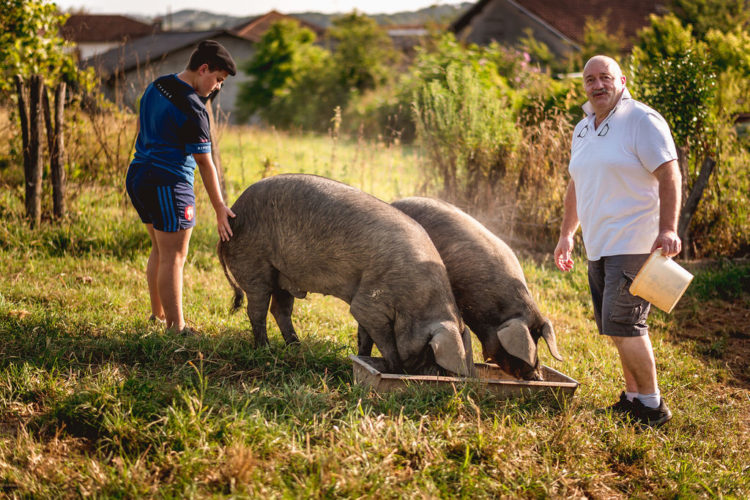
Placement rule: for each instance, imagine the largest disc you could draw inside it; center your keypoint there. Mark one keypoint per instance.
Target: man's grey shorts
(618, 313)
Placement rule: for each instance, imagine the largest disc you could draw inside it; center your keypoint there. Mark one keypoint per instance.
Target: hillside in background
(189, 19)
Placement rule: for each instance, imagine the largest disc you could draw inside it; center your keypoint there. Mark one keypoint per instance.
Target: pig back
(324, 236)
(485, 274)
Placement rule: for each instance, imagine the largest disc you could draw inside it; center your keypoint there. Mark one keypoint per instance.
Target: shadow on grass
(121, 380)
(715, 313)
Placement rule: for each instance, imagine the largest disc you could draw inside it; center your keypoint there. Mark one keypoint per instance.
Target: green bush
(296, 84)
(467, 130)
(673, 74)
(699, 87)
(291, 82)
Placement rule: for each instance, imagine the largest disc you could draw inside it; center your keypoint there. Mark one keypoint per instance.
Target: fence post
(31, 128)
(57, 154)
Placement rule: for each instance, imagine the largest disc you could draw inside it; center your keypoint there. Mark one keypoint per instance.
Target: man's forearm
(570, 213)
(670, 195)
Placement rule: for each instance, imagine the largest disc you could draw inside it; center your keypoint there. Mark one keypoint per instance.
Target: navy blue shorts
(618, 313)
(161, 198)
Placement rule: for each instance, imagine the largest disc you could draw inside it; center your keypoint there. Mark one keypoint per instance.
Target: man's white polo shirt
(617, 195)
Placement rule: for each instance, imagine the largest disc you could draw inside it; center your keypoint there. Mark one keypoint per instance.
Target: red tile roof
(256, 27)
(82, 28)
(569, 16)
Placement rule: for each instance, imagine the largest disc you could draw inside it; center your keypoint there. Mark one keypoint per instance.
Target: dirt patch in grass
(715, 314)
(722, 332)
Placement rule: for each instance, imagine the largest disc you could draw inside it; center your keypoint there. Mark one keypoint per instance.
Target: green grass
(96, 401)
(385, 170)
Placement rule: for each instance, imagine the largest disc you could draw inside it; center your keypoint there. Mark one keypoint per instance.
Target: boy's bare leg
(173, 249)
(152, 272)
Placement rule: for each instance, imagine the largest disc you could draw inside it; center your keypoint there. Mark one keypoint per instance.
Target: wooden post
(23, 115)
(56, 146)
(33, 152)
(57, 154)
(691, 205)
(48, 123)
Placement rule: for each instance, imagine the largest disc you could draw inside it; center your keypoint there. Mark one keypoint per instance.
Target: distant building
(406, 36)
(128, 68)
(559, 24)
(255, 27)
(93, 34)
(125, 71)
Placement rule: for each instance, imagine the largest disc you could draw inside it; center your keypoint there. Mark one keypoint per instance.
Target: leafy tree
(673, 73)
(295, 83)
(705, 15)
(30, 43)
(730, 50)
(286, 62)
(597, 39)
(31, 55)
(363, 53)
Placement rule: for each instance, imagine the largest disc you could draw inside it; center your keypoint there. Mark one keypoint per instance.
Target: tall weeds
(539, 179)
(481, 156)
(468, 133)
(101, 143)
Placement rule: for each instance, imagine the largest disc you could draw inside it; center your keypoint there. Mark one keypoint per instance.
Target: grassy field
(96, 401)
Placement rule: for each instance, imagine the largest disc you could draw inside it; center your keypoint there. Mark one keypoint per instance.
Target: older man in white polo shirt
(625, 193)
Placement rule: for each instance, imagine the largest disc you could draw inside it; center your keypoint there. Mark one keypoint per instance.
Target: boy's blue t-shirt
(173, 125)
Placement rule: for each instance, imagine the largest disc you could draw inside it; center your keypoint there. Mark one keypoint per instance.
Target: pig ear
(449, 351)
(515, 338)
(549, 336)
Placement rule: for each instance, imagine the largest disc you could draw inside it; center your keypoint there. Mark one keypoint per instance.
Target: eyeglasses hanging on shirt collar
(602, 130)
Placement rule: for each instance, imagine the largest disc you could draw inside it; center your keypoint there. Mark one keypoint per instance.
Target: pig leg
(282, 303)
(257, 311)
(380, 329)
(364, 342)
(256, 278)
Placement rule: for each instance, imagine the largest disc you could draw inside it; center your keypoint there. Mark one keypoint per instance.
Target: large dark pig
(297, 233)
(489, 286)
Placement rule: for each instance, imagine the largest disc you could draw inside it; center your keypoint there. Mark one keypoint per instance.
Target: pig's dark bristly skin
(297, 233)
(489, 286)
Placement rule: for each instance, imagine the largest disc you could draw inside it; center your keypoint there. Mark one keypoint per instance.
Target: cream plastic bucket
(661, 281)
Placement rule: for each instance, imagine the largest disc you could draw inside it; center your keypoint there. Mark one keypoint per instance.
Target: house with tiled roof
(93, 34)
(559, 24)
(254, 28)
(126, 70)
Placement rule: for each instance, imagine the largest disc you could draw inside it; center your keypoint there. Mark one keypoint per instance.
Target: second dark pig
(489, 286)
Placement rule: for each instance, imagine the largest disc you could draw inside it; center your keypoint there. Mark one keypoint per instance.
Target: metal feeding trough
(370, 372)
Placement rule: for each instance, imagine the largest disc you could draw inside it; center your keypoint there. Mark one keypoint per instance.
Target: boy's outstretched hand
(223, 214)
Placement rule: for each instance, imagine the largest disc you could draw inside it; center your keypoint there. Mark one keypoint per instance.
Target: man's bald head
(607, 61)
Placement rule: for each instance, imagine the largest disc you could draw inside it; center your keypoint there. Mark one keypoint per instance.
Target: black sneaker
(653, 417)
(624, 405)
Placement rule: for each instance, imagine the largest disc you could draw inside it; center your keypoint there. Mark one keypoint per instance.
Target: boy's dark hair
(215, 55)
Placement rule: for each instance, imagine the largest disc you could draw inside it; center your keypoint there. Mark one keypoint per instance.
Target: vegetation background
(96, 401)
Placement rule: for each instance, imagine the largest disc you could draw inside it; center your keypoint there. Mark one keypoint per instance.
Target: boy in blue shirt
(173, 138)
